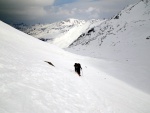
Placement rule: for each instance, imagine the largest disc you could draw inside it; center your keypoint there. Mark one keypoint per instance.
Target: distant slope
(61, 33)
(69, 37)
(125, 37)
(30, 85)
(48, 32)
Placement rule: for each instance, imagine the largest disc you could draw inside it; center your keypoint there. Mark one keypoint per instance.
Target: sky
(48, 11)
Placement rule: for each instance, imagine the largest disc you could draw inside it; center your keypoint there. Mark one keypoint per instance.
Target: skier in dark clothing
(77, 67)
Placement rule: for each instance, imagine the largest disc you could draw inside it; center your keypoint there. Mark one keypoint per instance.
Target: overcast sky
(47, 11)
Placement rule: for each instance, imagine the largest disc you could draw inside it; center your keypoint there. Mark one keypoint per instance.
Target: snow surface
(30, 85)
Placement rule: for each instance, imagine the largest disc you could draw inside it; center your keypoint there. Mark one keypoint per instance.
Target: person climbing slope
(77, 67)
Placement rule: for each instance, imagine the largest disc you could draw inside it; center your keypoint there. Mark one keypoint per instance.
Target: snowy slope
(30, 85)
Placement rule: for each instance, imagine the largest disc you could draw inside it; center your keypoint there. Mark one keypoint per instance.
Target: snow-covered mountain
(125, 37)
(30, 85)
(47, 32)
(61, 33)
(21, 26)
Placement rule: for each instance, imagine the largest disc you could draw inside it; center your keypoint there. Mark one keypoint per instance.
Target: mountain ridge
(113, 37)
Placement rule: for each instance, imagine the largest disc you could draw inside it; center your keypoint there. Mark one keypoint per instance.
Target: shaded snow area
(30, 85)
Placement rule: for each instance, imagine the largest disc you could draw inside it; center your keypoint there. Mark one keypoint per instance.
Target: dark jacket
(77, 67)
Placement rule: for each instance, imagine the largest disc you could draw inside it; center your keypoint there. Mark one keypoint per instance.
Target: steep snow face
(125, 37)
(30, 85)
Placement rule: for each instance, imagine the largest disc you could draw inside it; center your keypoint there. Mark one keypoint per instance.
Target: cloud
(90, 9)
(82, 10)
(55, 10)
(60, 2)
(23, 9)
